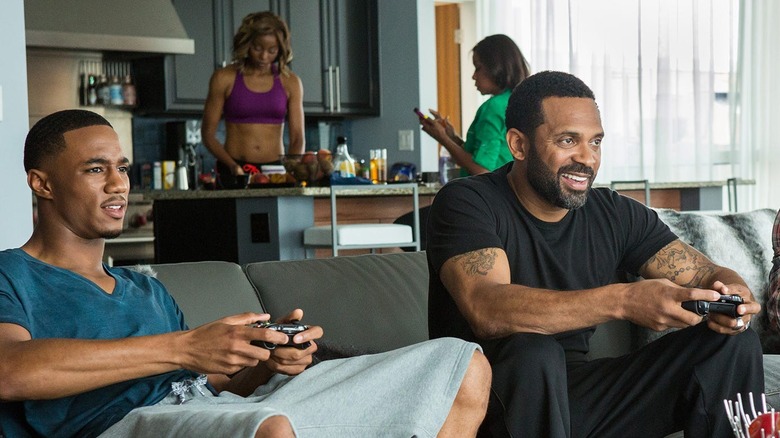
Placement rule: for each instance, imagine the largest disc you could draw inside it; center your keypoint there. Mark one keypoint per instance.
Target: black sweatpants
(676, 383)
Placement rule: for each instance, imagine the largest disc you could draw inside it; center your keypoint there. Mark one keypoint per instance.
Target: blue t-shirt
(52, 302)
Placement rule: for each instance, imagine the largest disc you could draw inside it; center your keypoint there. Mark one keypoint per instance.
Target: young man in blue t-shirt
(86, 349)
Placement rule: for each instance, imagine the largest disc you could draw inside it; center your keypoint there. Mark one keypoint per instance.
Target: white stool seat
(370, 235)
(359, 234)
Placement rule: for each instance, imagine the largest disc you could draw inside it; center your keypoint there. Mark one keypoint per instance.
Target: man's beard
(548, 185)
(111, 234)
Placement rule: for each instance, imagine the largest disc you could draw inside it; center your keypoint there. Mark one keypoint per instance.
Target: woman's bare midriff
(254, 142)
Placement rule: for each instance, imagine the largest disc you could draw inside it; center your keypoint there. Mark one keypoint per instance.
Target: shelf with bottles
(107, 84)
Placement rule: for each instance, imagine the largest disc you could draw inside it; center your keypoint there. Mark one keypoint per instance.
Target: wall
(407, 44)
(15, 197)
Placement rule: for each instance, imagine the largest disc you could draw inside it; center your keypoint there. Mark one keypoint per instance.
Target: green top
(486, 137)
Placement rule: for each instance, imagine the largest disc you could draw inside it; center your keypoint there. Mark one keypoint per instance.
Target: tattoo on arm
(478, 262)
(676, 261)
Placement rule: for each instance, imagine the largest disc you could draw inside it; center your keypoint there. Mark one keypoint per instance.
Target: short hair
(261, 24)
(46, 138)
(503, 60)
(524, 111)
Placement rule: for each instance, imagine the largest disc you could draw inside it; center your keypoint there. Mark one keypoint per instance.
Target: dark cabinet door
(354, 52)
(309, 33)
(335, 54)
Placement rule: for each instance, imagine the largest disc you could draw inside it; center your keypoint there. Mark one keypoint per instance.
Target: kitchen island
(258, 224)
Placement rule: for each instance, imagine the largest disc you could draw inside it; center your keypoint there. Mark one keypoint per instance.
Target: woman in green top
(498, 67)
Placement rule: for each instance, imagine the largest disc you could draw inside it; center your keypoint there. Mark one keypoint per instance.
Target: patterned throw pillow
(773, 300)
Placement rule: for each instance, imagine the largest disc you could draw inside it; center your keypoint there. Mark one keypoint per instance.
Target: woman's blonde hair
(261, 24)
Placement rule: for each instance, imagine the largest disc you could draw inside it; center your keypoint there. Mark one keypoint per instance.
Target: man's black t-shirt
(586, 249)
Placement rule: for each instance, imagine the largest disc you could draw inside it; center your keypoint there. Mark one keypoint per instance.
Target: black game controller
(726, 305)
(290, 330)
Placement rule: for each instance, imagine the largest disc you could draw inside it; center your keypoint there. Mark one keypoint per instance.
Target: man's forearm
(54, 368)
(511, 308)
(724, 275)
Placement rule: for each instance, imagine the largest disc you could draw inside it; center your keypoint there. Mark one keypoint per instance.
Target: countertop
(636, 185)
(162, 195)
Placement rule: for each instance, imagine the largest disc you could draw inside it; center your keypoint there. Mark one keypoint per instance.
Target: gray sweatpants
(401, 393)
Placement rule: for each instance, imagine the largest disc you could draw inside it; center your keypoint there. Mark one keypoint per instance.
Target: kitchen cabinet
(178, 84)
(335, 49)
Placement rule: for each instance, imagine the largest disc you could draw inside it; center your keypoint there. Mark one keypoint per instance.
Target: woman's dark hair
(524, 111)
(503, 60)
(46, 138)
(261, 24)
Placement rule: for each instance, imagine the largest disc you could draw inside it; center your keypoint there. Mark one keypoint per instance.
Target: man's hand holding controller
(725, 305)
(290, 329)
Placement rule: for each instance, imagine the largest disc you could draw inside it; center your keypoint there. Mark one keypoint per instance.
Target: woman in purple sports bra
(254, 94)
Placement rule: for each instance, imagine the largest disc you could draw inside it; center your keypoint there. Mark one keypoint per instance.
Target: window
(662, 73)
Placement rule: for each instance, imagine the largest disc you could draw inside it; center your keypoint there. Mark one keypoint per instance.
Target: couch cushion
(207, 291)
(374, 302)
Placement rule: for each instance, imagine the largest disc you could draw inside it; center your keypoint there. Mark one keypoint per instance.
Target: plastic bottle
(373, 165)
(103, 92)
(383, 165)
(445, 164)
(343, 164)
(182, 180)
(92, 96)
(83, 89)
(157, 176)
(128, 91)
(364, 169)
(115, 91)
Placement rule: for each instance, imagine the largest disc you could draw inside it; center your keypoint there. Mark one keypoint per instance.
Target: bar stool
(614, 184)
(365, 235)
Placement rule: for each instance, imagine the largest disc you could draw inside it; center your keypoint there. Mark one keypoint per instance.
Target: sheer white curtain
(661, 72)
(757, 105)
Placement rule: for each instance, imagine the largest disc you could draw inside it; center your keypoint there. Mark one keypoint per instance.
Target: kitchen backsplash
(150, 142)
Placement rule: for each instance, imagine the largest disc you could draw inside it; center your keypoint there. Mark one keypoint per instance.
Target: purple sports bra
(246, 106)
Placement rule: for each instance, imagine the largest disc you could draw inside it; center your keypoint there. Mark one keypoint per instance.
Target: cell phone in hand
(420, 114)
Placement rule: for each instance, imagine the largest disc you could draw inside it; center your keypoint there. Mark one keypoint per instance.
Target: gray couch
(379, 302)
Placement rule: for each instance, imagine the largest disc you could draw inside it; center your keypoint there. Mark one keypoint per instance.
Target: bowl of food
(311, 169)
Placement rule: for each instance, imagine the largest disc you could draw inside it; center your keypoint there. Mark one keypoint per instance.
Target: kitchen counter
(677, 185)
(250, 225)
(686, 195)
(273, 192)
(257, 224)
(424, 190)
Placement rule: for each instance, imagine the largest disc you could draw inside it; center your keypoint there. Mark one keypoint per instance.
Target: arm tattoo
(676, 260)
(478, 262)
